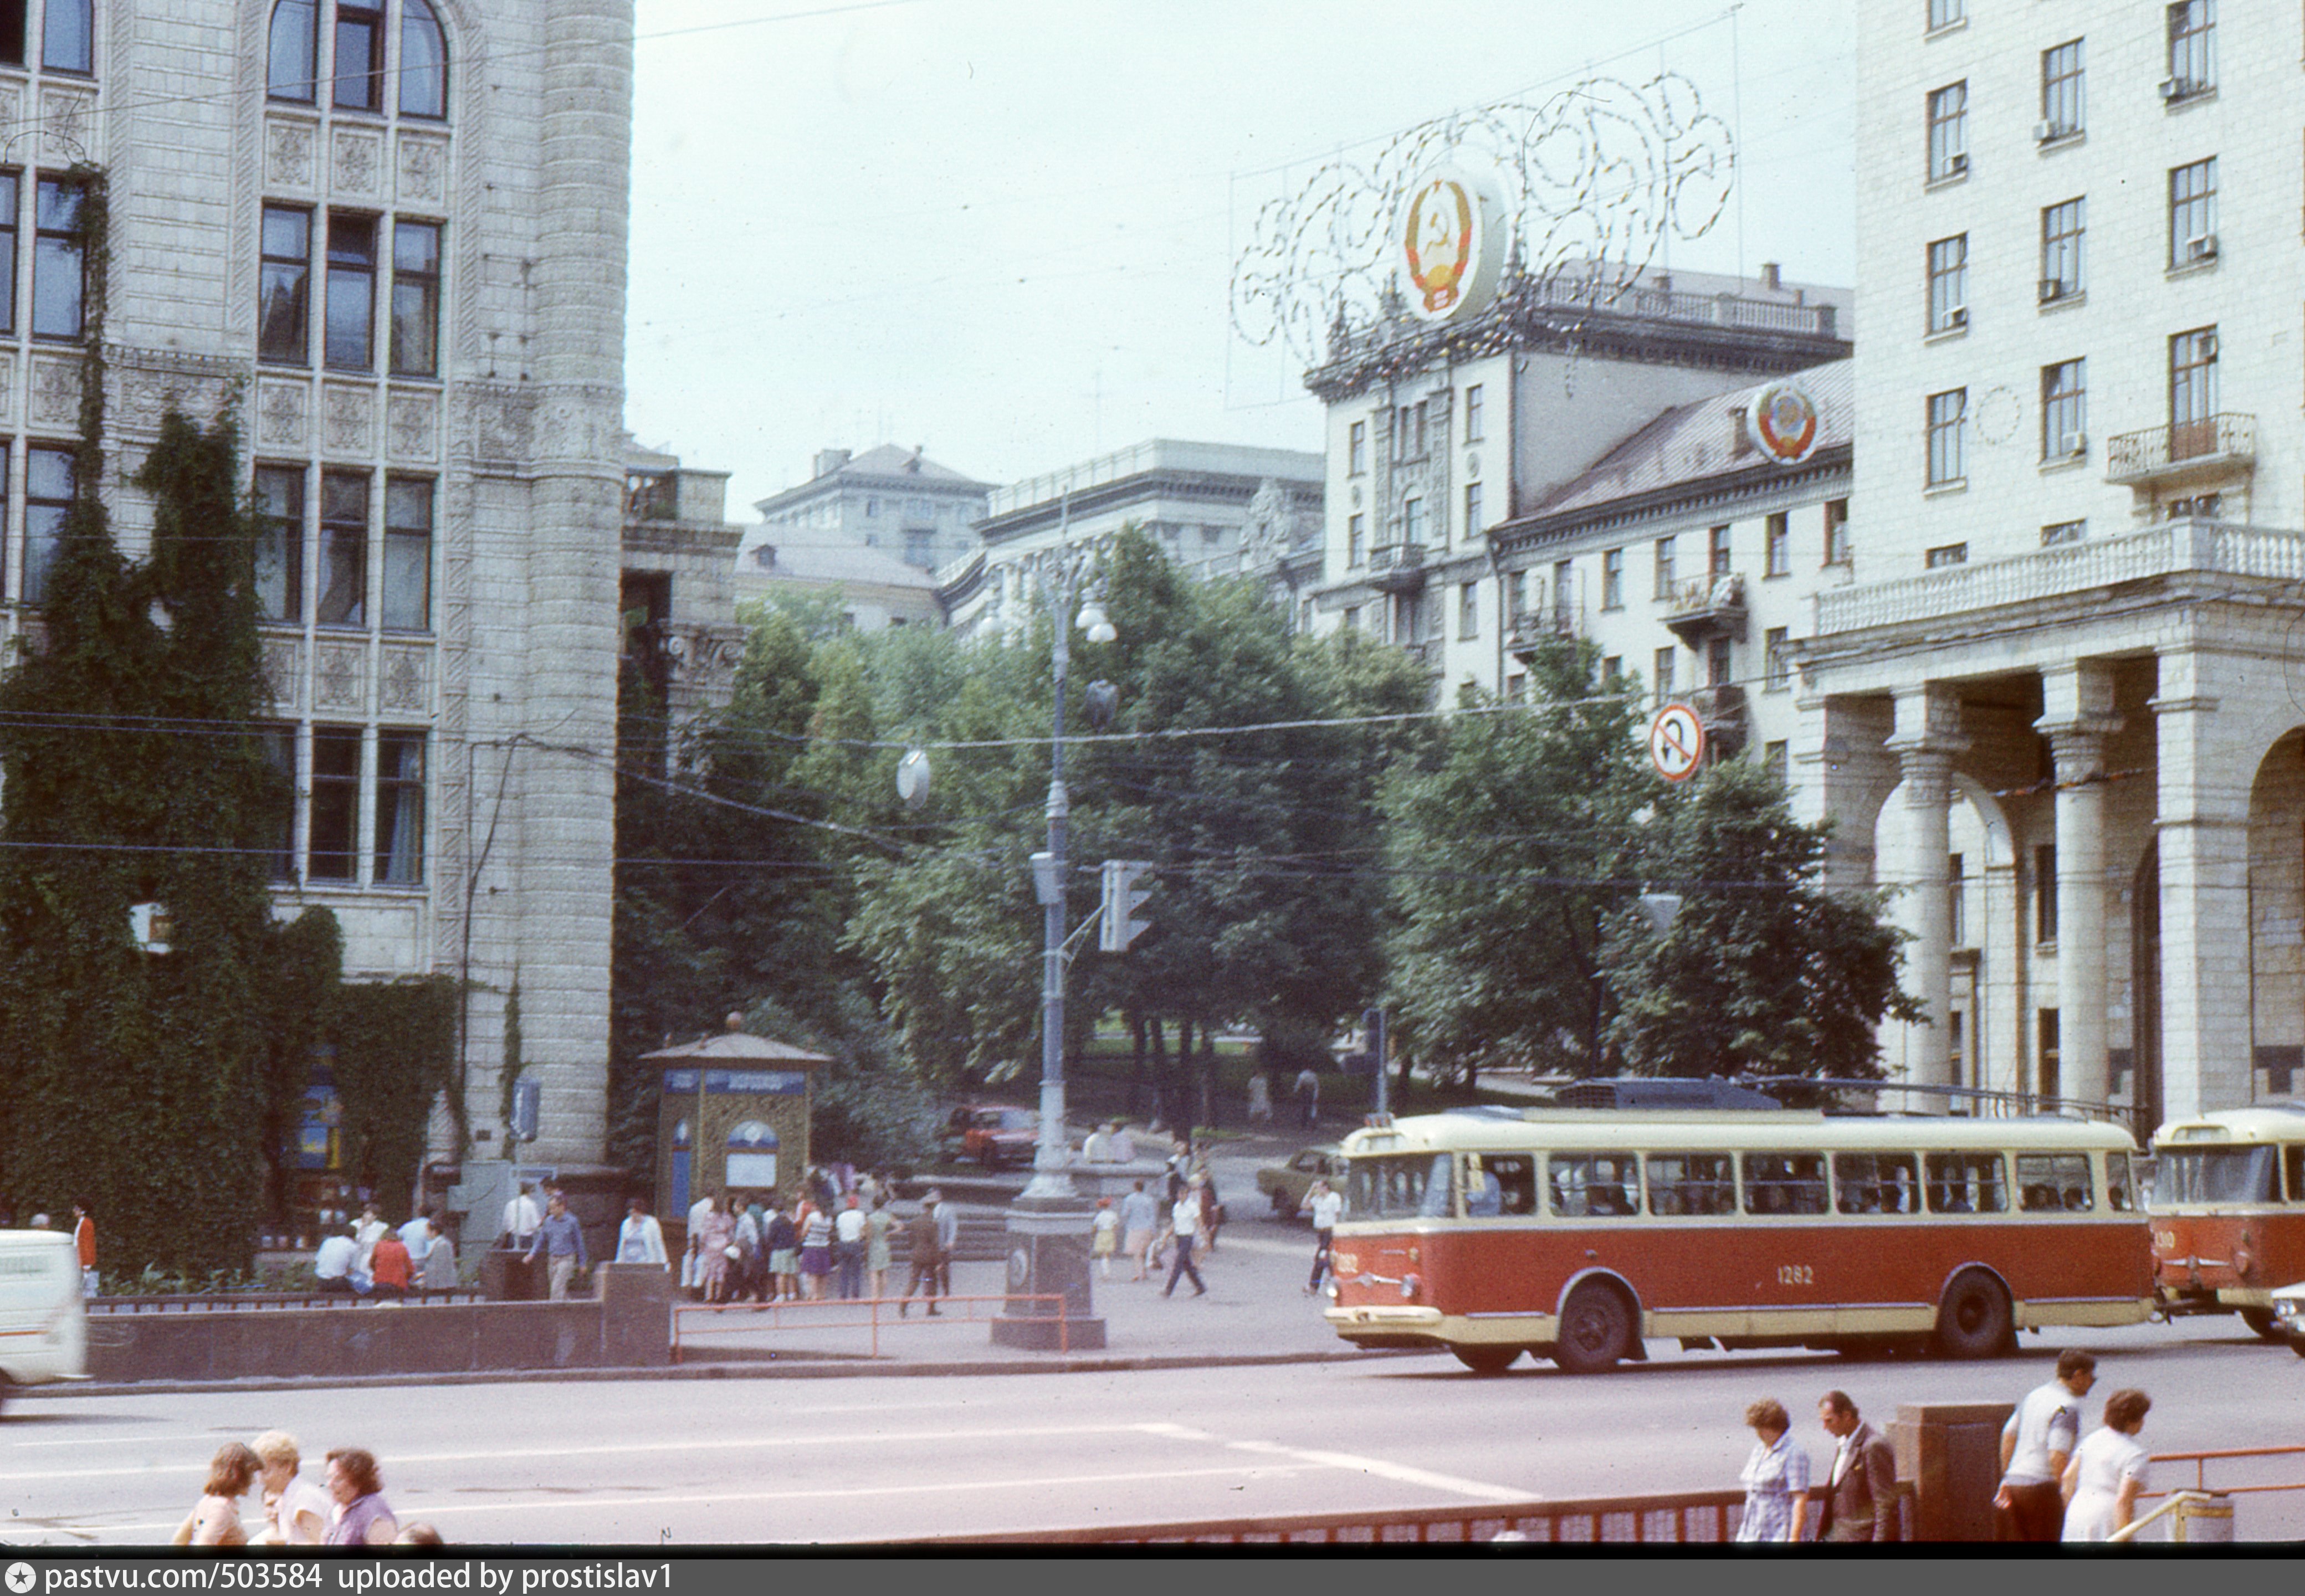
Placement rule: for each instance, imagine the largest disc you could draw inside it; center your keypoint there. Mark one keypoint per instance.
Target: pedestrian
(1326, 1206)
(437, 1269)
(1775, 1477)
(363, 1516)
(947, 1218)
(416, 1235)
(715, 1243)
(1105, 1237)
(1124, 1144)
(748, 1267)
(2108, 1472)
(640, 1239)
(390, 1268)
(927, 1261)
(215, 1518)
(781, 1237)
(1308, 1095)
(84, 1238)
(523, 1217)
(332, 1264)
(371, 1230)
(562, 1242)
(815, 1252)
(1184, 1220)
(877, 1225)
(295, 1508)
(1860, 1503)
(1139, 1221)
(1212, 1213)
(1098, 1148)
(2036, 1444)
(848, 1229)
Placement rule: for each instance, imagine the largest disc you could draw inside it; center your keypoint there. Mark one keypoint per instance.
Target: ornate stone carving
(424, 170)
(340, 676)
(284, 679)
(12, 104)
(64, 116)
(7, 389)
(281, 409)
(348, 421)
(405, 683)
(287, 154)
(412, 426)
(55, 390)
(358, 155)
(495, 422)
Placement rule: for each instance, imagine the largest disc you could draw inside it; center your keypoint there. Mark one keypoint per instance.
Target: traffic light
(1123, 898)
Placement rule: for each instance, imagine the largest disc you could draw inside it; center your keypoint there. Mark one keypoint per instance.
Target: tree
(1762, 970)
(1507, 852)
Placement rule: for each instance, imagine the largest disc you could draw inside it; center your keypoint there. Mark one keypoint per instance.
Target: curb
(814, 1366)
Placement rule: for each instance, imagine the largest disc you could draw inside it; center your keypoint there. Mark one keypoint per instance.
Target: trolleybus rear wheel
(1974, 1320)
(1596, 1329)
(1487, 1360)
(2261, 1321)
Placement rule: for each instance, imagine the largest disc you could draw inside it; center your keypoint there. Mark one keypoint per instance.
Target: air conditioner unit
(2201, 248)
(2052, 288)
(2072, 444)
(2175, 89)
(1957, 163)
(1957, 316)
(2206, 348)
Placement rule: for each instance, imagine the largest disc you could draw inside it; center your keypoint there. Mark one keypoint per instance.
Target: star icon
(21, 1578)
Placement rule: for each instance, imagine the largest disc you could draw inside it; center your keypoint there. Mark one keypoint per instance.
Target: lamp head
(1093, 622)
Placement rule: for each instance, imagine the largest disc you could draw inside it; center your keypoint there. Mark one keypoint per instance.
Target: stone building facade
(2071, 662)
(396, 229)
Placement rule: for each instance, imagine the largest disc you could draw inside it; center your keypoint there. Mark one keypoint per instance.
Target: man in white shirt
(523, 1218)
(1185, 1218)
(1098, 1148)
(332, 1265)
(417, 1234)
(1326, 1205)
(2036, 1444)
(848, 1248)
(370, 1230)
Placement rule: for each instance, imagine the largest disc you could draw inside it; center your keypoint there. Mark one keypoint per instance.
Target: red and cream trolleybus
(1573, 1234)
(2228, 1208)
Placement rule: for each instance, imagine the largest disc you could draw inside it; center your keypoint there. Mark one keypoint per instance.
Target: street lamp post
(1048, 1225)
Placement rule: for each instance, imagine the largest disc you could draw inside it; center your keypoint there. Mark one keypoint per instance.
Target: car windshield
(1411, 1187)
(2212, 1175)
(1016, 1119)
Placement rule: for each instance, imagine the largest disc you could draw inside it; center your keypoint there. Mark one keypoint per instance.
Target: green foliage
(394, 1052)
(1762, 970)
(1509, 849)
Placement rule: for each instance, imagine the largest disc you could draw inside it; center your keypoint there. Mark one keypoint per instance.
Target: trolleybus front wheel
(1974, 1320)
(1596, 1330)
(2261, 1321)
(1487, 1360)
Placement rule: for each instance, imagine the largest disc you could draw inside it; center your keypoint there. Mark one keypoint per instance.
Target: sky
(1005, 230)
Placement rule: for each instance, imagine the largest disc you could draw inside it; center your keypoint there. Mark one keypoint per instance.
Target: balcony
(1706, 607)
(1532, 628)
(2203, 451)
(1397, 568)
(1721, 709)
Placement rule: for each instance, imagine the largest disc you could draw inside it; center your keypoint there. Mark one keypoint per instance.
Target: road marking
(1478, 1489)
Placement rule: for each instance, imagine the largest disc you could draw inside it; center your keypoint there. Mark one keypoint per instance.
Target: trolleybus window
(2120, 1182)
(1967, 1182)
(1692, 1183)
(1594, 1185)
(1877, 1183)
(2047, 1181)
(2212, 1175)
(1784, 1183)
(1498, 1185)
(1414, 1187)
(2293, 1156)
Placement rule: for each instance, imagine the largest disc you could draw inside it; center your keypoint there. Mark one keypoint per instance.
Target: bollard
(2204, 1524)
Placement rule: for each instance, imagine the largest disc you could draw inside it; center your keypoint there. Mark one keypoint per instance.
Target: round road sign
(1677, 742)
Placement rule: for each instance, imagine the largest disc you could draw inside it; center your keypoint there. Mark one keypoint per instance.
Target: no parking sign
(1676, 742)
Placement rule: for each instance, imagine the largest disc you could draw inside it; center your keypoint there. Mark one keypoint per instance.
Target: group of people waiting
(369, 1258)
(2055, 1484)
(823, 1244)
(348, 1510)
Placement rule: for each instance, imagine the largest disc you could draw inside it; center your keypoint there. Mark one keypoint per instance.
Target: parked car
(993, 1133)
(2289, 1316)
(1284, 1185)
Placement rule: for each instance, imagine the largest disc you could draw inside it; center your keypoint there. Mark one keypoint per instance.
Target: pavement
(1257, 1312)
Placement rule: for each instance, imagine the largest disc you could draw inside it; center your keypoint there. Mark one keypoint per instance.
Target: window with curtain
(343, 550)
(280, 543)
(407, 554)
(423, 61)
(400, 809)
(292, 51)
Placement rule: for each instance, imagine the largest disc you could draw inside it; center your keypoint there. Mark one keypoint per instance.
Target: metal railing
(249, 1302)
(820, 1314)
(2134, 456)
(2202, 1460)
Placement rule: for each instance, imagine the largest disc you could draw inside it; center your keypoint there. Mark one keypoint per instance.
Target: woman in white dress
(2107, 1472)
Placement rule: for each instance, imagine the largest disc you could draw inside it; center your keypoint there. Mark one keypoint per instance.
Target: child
(1105, 1240)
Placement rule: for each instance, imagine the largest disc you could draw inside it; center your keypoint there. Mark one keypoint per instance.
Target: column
(1925, 742)
(2076, 717)
(2202, 833)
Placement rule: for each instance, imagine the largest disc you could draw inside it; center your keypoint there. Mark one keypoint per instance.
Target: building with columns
(396, 231)
(2063, 707)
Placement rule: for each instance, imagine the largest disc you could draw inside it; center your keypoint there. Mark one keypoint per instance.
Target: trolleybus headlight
(2241, 1260)
(1410, 1285)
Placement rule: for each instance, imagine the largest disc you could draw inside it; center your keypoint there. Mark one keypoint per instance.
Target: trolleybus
(1573, 1234)
(2228, 1208)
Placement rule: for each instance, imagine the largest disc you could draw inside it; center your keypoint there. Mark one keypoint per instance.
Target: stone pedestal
(1950, 1451)
(1048, 1242)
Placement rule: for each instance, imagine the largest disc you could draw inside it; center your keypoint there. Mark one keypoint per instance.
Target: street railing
(249, 1302)
(2202, 1461)
(820, 1314)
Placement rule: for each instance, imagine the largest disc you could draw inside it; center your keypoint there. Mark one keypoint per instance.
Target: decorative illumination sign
(1783, 422)
(1452, 239)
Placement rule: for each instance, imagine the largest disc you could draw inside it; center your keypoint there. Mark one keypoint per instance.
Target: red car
(993, 1133)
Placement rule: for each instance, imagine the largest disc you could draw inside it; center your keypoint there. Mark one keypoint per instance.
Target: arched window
(68, 43)
(423, 61)
(292, 62)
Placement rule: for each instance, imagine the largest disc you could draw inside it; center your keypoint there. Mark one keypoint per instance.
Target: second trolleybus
(1573, 1234)
(2228, 1208)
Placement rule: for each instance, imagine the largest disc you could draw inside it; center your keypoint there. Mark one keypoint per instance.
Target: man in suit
(1860, 1503)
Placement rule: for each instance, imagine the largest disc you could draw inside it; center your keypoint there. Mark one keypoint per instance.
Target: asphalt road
(874, 1457)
